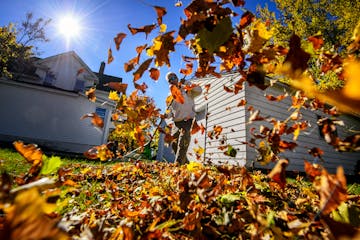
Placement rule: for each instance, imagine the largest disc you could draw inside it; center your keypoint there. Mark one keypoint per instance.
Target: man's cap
(170, 76)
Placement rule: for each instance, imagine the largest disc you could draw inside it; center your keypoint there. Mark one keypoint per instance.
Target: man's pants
(181, 144)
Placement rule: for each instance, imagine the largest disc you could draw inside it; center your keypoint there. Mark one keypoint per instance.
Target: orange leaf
(118, 39)
(95, 119)
(241, 103)
(246, 19)
(277, 98)
(177, 95)
(312, 170)
(207, 87)
(130, 65)
(110, 56)
(154, 73)
(30, 152)
(317, 41)
(195, 128)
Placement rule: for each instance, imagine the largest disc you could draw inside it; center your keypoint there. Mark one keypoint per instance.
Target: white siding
(49, 117)
(221, 111)
(307, 139)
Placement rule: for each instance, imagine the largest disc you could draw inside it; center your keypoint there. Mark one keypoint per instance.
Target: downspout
(206, 123)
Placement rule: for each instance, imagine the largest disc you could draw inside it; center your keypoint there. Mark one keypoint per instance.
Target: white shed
(221, 109)
(46, 108)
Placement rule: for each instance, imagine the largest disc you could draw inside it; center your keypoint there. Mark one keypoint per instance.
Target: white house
(221, 109)
(46, 107)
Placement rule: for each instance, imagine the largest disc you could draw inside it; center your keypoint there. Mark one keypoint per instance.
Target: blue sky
(100, 21)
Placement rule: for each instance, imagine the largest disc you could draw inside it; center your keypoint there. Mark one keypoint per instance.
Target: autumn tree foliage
(17, 44)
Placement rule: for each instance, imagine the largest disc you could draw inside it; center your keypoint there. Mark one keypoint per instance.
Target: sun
(69, 26)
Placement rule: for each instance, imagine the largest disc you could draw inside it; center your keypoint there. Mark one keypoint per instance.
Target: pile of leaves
(155, 200)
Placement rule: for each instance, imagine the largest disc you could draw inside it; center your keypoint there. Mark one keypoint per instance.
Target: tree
(330, 22)
(17, 46)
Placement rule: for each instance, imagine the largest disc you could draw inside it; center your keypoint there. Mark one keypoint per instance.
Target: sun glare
(69, 26)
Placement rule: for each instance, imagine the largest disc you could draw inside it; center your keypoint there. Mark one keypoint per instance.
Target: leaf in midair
(160, 11)
(297, 57)
(145, 29)
(241, 103)
(332, 190)
(278, 173)
(212, 40)
(276, 98)
(154, 73)
(312, 170)
(91, 94)
(141, 87)
(118, 86)
(246, 19)
(110, 56)
(142, 68)
(177, 95)
(238, 3)
(118, 40)
(30, 152)
(96, 120)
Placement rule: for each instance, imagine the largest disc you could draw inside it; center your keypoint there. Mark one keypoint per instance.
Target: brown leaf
(276, 98)
(140, 71)
(161, 11)
(110, 56)
(312, 170)
(297, 57)
(278, 173)
(95, 119)
(141, 87)
(91, 94)
(118, 40)
(145, 29)
(154, 73)
(332, 190)
(130, 65)
(241, 103)
(238, 3)
(120, 87)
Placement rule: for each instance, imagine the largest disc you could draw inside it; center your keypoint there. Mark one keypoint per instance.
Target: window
(79, 85)
(49, 79)
(101, 112)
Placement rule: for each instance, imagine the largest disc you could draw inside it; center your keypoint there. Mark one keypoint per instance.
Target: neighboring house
(222, 110)
(46, 107)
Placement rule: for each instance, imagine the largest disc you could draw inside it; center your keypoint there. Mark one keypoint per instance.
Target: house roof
(73, 54)
(103, 78)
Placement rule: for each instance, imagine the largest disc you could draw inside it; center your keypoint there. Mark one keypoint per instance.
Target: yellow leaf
(296, 133)
(163, 27)
(114, 96)
(262, 30)
(352, 86)
(194, 166)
